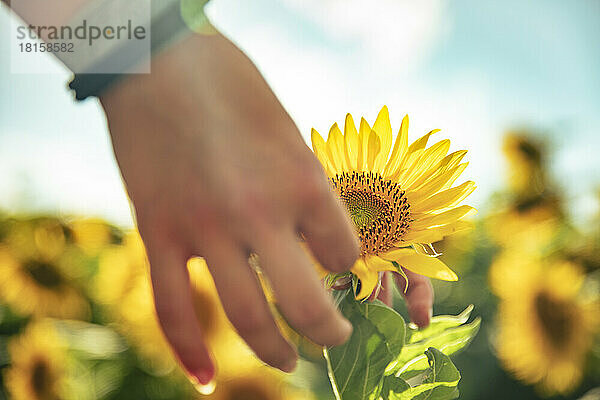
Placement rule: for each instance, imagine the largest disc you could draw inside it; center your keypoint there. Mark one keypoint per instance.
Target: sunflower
(546, 327)
(533, 212)
(261, 383)
(34, 271)
(399, 197)
(526, 161)
(123, 286)
(37, 370)
(91, 235)
(532, 226)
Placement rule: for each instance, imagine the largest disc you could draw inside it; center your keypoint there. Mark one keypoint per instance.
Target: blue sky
(472, 68)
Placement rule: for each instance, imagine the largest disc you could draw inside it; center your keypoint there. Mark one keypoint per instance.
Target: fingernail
(204, 376)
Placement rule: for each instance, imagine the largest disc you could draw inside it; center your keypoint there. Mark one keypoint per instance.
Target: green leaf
(91, 341)
(339, 296)
(392, 387)
(437, 325)
(388, 322)
(356, 368)
(439, 382)
(4, 356)
(445, 333)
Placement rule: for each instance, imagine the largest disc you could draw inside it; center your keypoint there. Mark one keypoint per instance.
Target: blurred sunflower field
(77, 319)
(522, 321)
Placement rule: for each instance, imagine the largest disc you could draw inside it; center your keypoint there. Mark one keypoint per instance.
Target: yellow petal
(364, 128)
(435, 234)
(379, 264)
(399, 150)
(452, 159)
(430, 157)
(320, 150)
(447, 163)
(363, 144)
(441, 182)
(433, 220)
(317, 141)
(456, 172)
(447, 198)
(565, 278)
(368, 278)
(421, 143)
(383, 129)
(411, 158)
(362, 155)
(335, 148)
(351, 142)
(426, 249)
(373, 151)
(410, 162)
(421, 264)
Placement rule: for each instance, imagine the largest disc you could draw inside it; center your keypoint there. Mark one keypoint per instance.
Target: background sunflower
(546, 327)
(539, 261)
(474, 68)
(119, 351)
(36, 259)
(38, 364)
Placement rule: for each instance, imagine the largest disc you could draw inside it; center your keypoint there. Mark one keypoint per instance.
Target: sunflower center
(378, 207)
(364, 207)
(43, 273)
(555, 317)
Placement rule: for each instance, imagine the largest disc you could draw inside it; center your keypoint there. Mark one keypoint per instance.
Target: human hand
(216, 168)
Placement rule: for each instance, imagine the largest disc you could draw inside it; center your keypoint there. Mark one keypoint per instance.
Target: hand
(216, 168)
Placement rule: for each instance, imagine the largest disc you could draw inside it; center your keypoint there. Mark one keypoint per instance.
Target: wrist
(112, 61)
(169, 71)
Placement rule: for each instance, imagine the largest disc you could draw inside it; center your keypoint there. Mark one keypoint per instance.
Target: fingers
(174, 307)
(328, 230)
(418, 295)
(299, 292)
(246, 306)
